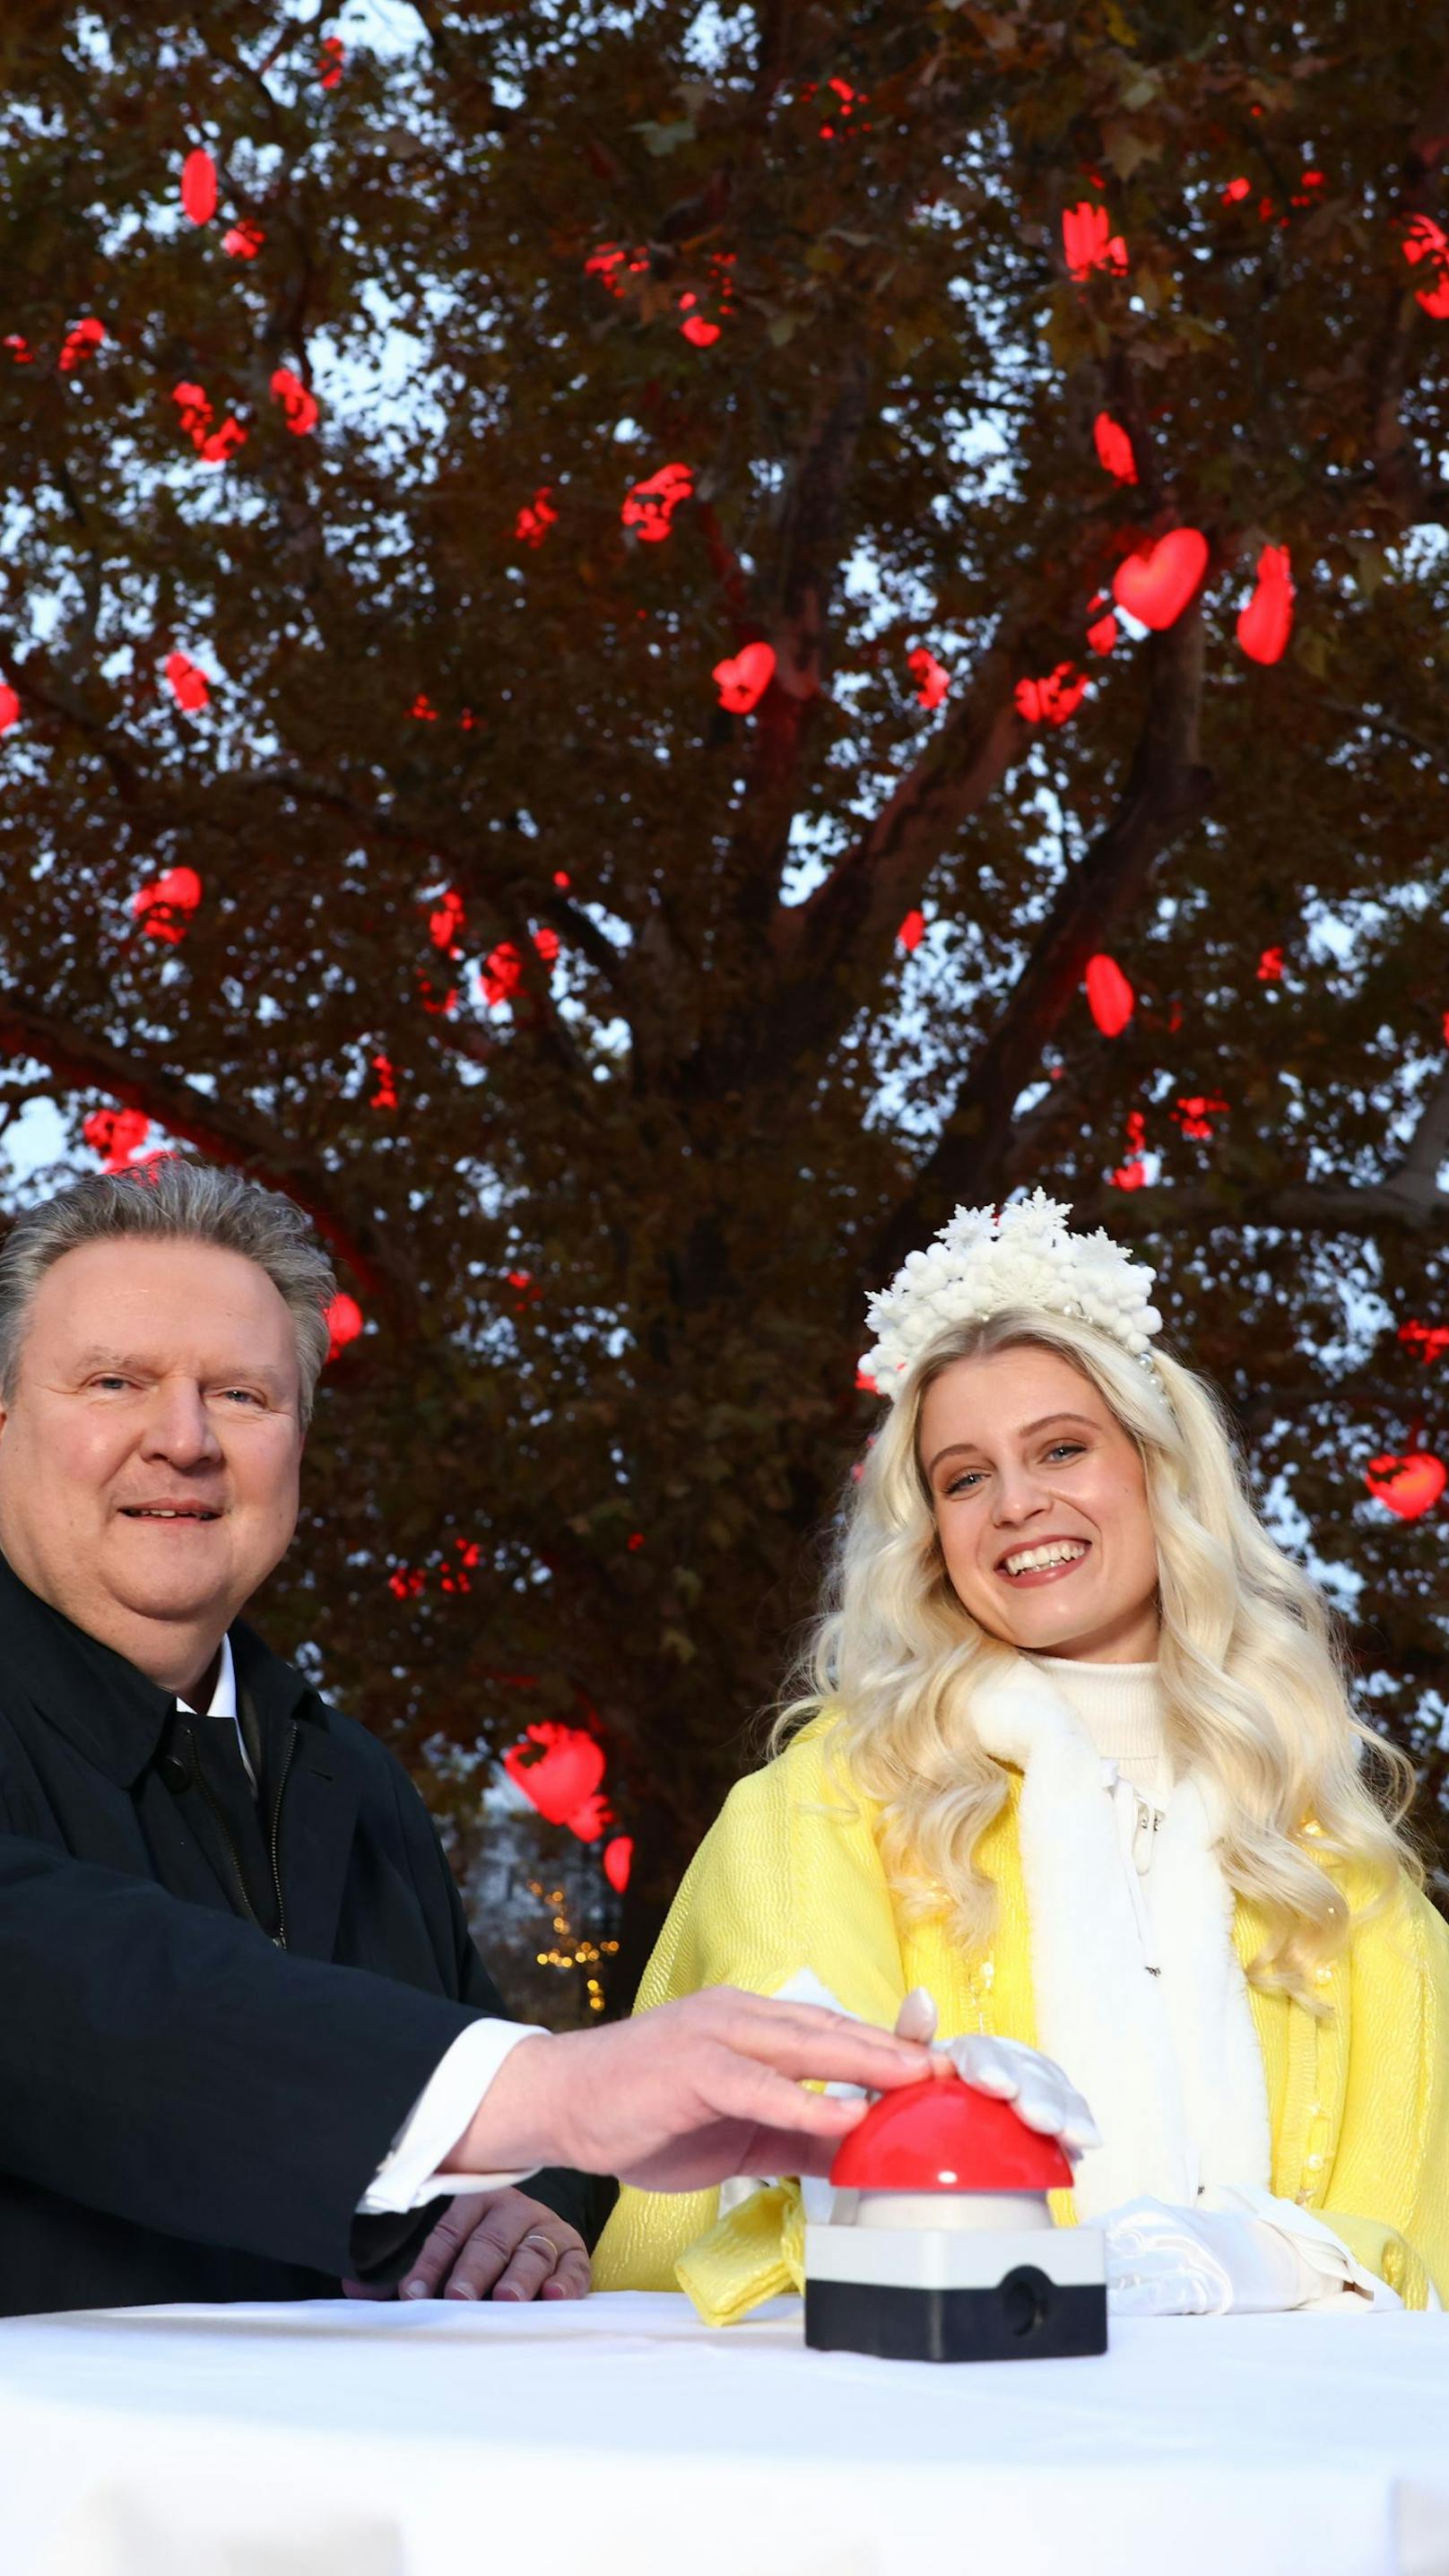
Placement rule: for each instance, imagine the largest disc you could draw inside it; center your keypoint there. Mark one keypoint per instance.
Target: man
(247, 2047)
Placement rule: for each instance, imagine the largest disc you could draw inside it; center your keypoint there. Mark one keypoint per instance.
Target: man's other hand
(494, 2245)
(685, 2095)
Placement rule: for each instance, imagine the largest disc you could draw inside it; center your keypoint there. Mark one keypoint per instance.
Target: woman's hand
(1043, 2097)
(494, 2245)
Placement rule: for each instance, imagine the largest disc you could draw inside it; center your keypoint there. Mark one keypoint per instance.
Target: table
(618, 2437)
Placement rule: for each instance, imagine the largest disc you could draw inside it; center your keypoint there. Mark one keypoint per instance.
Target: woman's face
(1041, 1507)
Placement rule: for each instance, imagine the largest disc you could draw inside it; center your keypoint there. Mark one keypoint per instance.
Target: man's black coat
(187, 2111)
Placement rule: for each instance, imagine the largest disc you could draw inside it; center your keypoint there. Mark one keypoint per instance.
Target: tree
(536, 367)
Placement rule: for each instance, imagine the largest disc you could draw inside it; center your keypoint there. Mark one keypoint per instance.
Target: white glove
(1208, 2261)
(1044, 2098)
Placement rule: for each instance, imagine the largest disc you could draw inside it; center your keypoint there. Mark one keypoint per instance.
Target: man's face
(149, 1448)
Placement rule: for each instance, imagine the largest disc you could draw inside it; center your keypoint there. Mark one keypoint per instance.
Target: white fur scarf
(1170, 2064)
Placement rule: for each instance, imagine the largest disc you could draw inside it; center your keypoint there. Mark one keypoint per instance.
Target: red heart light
(911, 932)
(299, 407)
(1427, 240)
(448, 921)
(9, 706)
(21, 352)
(546, 943)
(164, 907)
(699, 333)
(117, 1135)
(1114, 448)
(501, 973)
(1410, 1486)
(1431, 1341)
(649, 507)
(618, 1860)
(194, 409)
(592, 1819)
(1270, 966)
(932, 677)
(454, 1576)
(1156, 584)
(1235, 191)
(1132, 1174)
(187, 684)
(562, 1775)
(535, 518)
(198, 187)
(1089, 242)
(1110, 997)
(215, 446)
(1265, 625)
(743, 682)
(1102, 633)
(385, 1096)
(223, 443)
(604, 264)
(80, 339)
(330, 61)
(343, 1319)
(1054, 699)
(1195, 1116)
(243, 241)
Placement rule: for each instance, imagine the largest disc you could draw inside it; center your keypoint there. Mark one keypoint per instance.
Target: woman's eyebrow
(961, 1448)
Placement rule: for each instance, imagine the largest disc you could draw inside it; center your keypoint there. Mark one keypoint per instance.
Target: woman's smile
(1048, 1560)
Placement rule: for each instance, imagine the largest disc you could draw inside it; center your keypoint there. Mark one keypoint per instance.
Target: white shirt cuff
(410, 2173)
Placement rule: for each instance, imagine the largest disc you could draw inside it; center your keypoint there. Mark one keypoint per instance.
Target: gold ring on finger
(539, 2239)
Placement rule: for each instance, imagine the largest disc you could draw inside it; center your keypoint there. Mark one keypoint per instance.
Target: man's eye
(110, 1381)
(241, 1394)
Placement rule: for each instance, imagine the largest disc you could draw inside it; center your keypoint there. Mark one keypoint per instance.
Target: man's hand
(685, 2095)
(494, 2245)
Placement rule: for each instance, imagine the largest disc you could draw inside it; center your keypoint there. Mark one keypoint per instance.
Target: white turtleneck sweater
(1121, 1708)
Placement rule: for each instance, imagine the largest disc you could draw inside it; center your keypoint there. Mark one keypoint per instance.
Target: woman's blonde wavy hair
(1251, 1666)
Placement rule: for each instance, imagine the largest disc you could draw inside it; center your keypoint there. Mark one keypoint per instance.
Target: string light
(571, 1950)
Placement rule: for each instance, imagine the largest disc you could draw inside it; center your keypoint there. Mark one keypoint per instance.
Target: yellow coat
(790, 1876)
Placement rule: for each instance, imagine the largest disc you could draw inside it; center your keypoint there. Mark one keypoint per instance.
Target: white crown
(1022, 1256)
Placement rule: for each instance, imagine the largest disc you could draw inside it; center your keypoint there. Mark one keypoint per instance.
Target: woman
(1076, 1757)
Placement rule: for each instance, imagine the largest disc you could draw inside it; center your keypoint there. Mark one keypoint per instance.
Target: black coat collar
(103, 1706)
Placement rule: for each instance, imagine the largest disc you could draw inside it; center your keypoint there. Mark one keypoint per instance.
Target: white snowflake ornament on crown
(987, 1259)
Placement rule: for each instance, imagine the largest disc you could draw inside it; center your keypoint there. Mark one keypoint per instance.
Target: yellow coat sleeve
(788, 1877)
(730, 1925)
(1387, 2192)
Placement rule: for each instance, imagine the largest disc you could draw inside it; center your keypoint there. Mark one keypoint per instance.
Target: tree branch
(1167, 789)
(1407, 1201)
(1399, 469)
(1294, 1207)
(82, 1061)
(795, 615)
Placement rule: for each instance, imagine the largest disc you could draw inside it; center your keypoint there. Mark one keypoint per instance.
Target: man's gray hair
(174, 1201)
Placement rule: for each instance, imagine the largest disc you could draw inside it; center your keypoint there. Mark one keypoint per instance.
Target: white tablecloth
(620, 2438)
